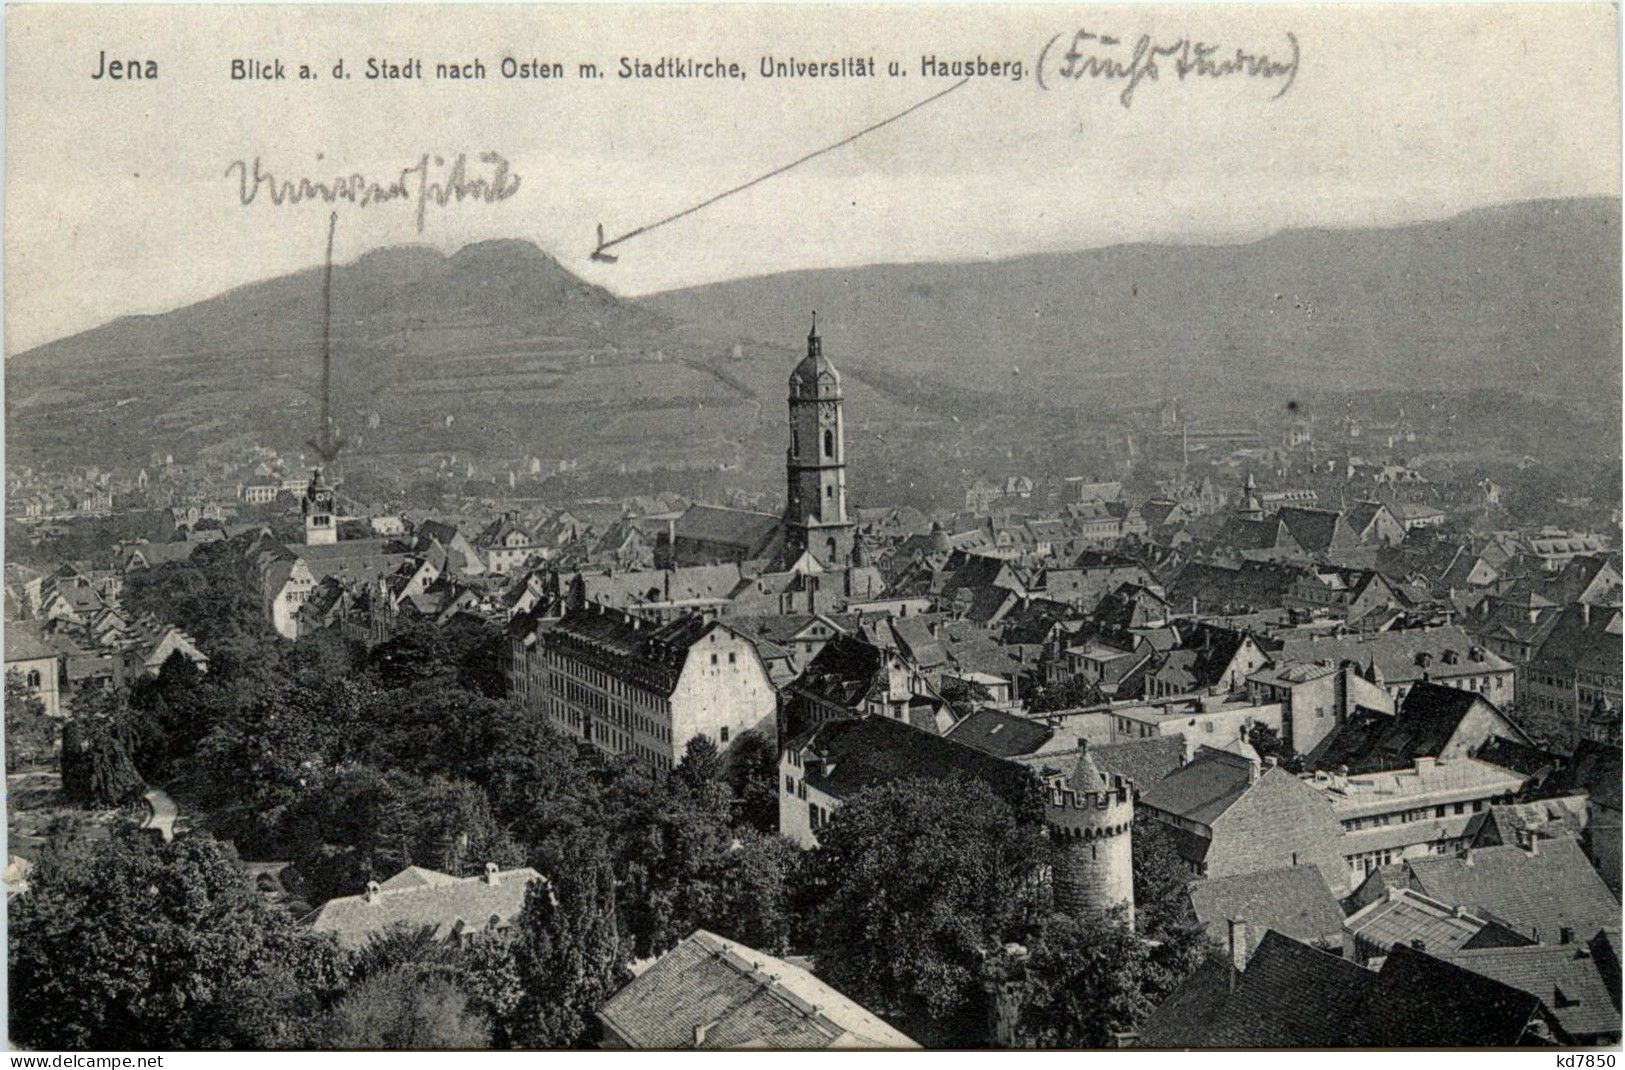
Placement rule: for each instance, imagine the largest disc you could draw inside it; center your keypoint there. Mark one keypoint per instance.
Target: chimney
(1534, 846)
(1419, 945)
(1585, 613)
(491, 872)
(372, 892)
(1238, 949)
(1467, 857)
(1425, 763)
(700, 1030)
(1565, 935)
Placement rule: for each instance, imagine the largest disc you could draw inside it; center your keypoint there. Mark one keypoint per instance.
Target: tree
(753, 904)
(97, 770)
(405, 1007)
(1066, 695)
(568, 954)
(172, 713)
(357, 825)
(964, 697)
(912, 883)
(1163, 912)
(130, 943)
(1267, 742)
(1083, 982)
(753, 772)
(699, 777)
(30, 731)
(1162, 901)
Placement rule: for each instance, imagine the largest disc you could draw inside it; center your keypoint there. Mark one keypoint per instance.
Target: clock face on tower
(826, 414)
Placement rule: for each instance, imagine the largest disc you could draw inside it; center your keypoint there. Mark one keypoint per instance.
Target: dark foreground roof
(869, 751)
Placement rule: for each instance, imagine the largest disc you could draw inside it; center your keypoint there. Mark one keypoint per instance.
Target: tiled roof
(1567, 978)
(864, 752)
(742, 528)
(447, 906)
(1418, 1001)
(1317, 530)
(845, 671)
(1293, 901)
(1406, 917)
(1426, 722)
(1251, 586)
(1188, 1016)
(1144, 761)
(1003, 735)
(651, 655)
(1294, 996)
(1396, 653)
(714, 994)
(1242, 533)
(29, 639)
(1290, 996)
(1538, 892)
(1204, 789)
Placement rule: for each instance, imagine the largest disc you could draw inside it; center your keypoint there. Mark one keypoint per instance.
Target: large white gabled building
(641, 687)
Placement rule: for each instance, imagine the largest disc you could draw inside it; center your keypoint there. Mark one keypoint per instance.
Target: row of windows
(1405, 817)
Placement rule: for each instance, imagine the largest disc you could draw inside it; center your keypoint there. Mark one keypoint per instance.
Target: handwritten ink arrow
(327, 444)
(601, 253)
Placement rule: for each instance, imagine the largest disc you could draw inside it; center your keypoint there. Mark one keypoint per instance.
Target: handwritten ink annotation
(1103, 57)
(426, 182)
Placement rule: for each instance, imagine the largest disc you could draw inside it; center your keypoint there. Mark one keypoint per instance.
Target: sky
(119, 200)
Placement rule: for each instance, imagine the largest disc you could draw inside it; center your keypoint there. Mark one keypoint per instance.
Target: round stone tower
(1090, 816)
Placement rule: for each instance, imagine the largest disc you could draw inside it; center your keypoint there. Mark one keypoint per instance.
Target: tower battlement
(1090, 818)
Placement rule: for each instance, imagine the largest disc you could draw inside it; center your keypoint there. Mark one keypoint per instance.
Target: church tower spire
(815, 514)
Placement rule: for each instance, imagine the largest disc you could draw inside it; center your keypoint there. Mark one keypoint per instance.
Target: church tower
(815, 510)
(321, 529)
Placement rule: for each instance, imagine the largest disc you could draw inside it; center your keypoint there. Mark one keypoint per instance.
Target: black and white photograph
(688, 527)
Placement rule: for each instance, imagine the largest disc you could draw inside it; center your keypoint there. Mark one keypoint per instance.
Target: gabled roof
(1003, 735)
(845, 671)
(1316, 530)
(445, 904)
(27, 640)
(1293, 901)
(1144, 761)
(1242, 533)
(648, 653)
(711, 993)
(1409, 918)
(748, 531)
(1538, 892)
(1290, 996)
(1294, 996)
(1206, 788)
(1568, 978)
(869, 751)
(1397, 653)
(1420, 1001)
(1361, 515)
(1250, 586)
(1597, 769)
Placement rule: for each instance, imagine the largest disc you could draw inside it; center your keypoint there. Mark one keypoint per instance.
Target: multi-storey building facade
(1408, 813)
(632, 686)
